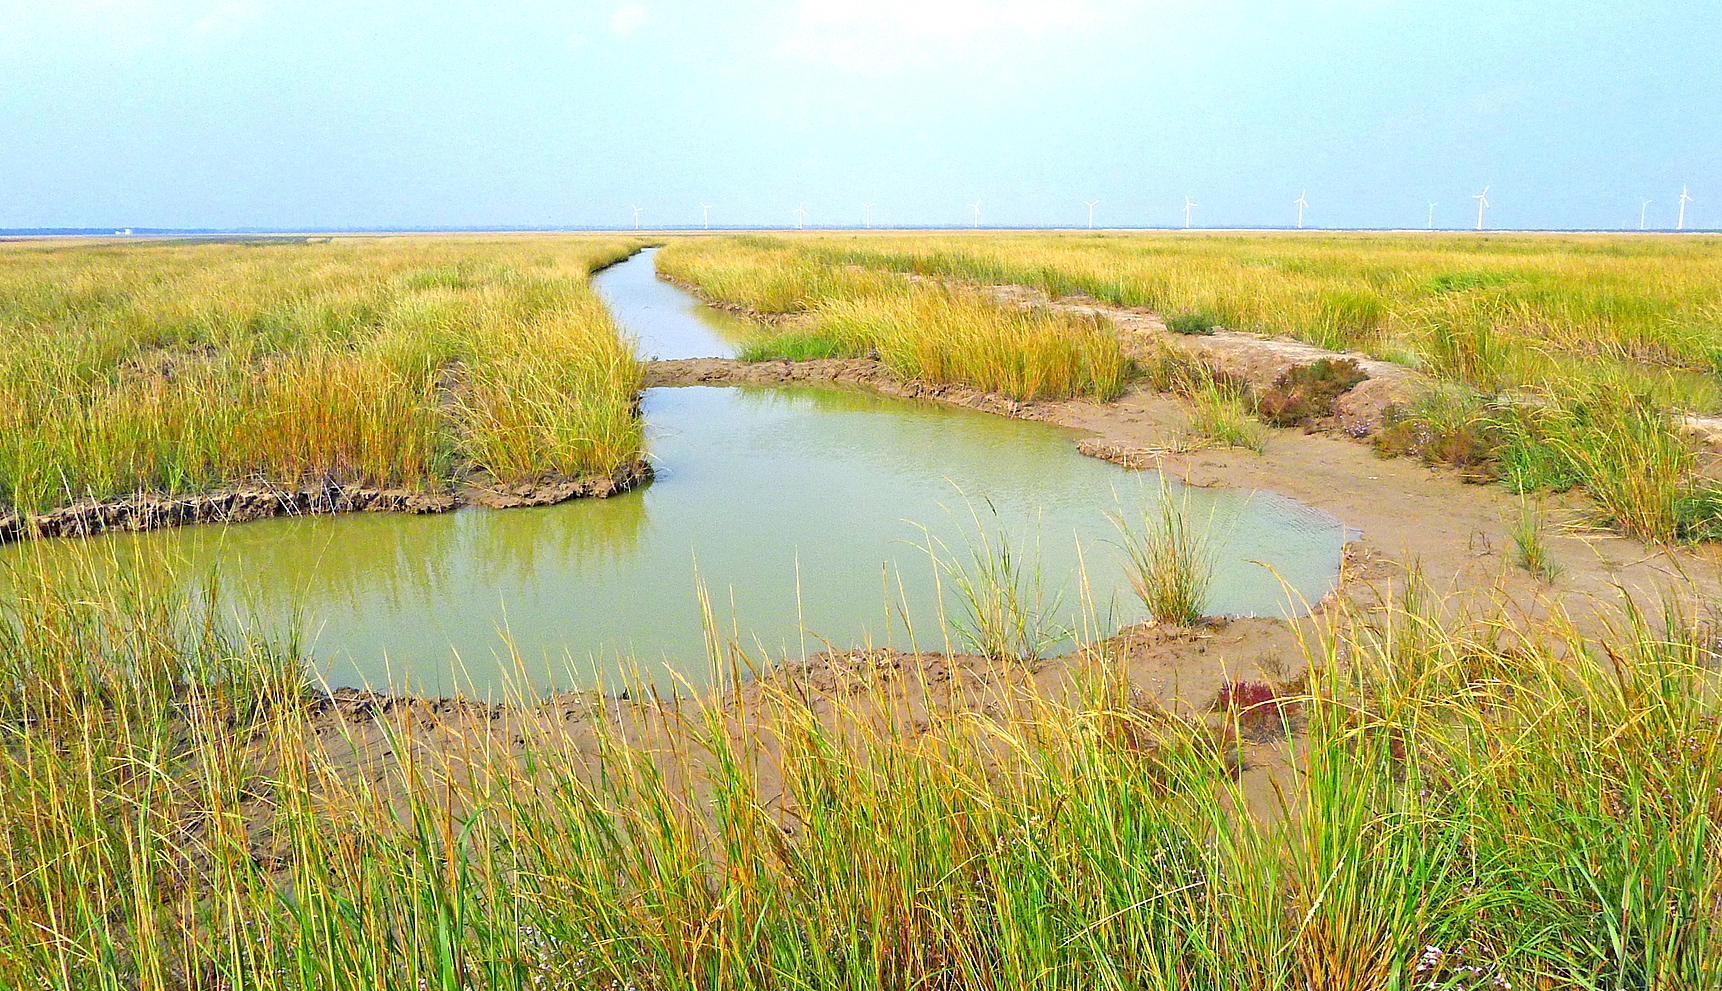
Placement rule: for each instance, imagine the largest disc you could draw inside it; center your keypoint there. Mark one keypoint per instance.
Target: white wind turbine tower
(976, 205)
(1432, 207)
(800, 211)
(869, 208)
(1302, 205)
(1680, 224)
(636, 218)
(1188, 206)
(1641, 208)
(1091, 205)
(707, 207)
(1482, 199)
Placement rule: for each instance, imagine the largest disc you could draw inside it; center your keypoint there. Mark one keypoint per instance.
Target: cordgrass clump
(955, 335)
(1530, 544)
(1193, 324)
(1168, 560)
(170, 369)
(922, 329)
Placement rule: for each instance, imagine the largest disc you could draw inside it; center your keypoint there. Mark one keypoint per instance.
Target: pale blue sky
(254, 113)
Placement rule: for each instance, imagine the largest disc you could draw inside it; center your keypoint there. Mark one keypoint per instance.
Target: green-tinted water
(796, 508)
(665, 321)
(805, 514)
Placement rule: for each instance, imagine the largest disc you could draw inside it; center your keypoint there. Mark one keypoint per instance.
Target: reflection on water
(795, 508)
(665, 321)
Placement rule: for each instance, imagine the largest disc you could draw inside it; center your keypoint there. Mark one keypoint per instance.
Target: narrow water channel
(805, 515)
(664, 321)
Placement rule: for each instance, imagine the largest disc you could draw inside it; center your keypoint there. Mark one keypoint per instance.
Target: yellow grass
(181, 367)
(921, 329)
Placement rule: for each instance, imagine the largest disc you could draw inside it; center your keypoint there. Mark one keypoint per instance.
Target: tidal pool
(800, 518)
(806, 516)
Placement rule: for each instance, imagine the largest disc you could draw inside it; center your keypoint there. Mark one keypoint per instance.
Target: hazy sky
(303, 114)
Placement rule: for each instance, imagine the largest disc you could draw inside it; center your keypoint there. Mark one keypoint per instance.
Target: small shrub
(1257, 706)
(1444, 429)
(1307, 393)
(1198, 324)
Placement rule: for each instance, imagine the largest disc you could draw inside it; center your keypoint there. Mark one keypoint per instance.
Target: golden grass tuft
(389, 362)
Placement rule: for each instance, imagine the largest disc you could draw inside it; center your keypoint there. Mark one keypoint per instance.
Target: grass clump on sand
(1192, 324)
(1002, 609)
(1529, 801)
(921, 330)
(178, 368)
(1625, 451)
(1530, 544)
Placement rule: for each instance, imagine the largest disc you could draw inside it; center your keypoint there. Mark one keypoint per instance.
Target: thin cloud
(627, 18)
(882, 35)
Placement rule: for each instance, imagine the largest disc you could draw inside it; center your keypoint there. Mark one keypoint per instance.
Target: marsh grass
(1003, 609)
(1532, 801)
(1530, 543)
(1196, 324)
(383, 362)
(920, 329)
(1169, 559)
(1220, 413)
(1613, 336)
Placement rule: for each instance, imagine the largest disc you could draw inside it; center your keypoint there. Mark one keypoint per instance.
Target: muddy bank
(854, 372)
(1188, 674)
(153, 512)
(1257, 361)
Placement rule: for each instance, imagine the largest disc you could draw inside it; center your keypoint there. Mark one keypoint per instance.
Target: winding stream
(806, 516)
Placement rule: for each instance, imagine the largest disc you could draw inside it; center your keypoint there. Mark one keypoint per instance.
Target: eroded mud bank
(153, 512)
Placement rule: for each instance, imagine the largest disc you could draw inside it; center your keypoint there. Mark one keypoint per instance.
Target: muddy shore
(152, 512)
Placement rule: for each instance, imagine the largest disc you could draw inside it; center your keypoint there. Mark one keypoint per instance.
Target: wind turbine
(707, 207)
(1091, 205)
(636, 218)
(1432, 207)
(1641, 208)
(1680, 224)
(800, 212)
(977, 208)
(869, 208)
(1482, 199)
(1302, 205)
(1188, 206)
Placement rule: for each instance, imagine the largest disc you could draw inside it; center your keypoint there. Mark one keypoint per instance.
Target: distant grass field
(1494, 311)
(401, 361)
(1570, 357)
